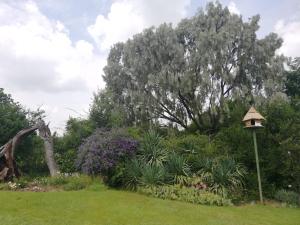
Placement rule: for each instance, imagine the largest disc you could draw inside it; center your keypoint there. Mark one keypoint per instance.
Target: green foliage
(154, 165)
(152, 150)
(278, 146)
(224, 176)
(15, 185)
(189, 144)
(30, 157)
(114, 177)
(105, 113)
(193, 147)
(292, 84)
(23, 182)
(12, 117)
(189, 72)
(289, 197)
(66, 182)
(29, 154)
(185, 194)
(152, 174)
(77, 184)
(4, 187)
(97, 186)
(57, 180)
(176, 167)
(135, 132)
(66, 160)
(132, 174)
(65, 147)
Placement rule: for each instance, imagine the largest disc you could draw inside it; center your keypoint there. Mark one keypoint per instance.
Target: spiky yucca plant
(132, 174)
(223, 176)
(153, 175)
(152, 151)
(177, 168)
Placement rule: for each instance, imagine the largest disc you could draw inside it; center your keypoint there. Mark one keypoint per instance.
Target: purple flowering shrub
(104, 150)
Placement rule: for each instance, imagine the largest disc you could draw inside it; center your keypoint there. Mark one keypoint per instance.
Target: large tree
(293, 79)
(187, 74)
(105, 113)
(12, 117)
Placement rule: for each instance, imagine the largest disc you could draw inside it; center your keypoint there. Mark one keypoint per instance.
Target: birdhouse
(253, 119)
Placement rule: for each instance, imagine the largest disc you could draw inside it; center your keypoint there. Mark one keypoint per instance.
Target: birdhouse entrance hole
(252, 122)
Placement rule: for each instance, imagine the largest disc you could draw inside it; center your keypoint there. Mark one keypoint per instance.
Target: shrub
(289, 197)
(223, 176)
(4, 187)
(185, 194)
(22, 182)
(132, 174)
(193, 147)
(67, 182)
(103, 150)
(152, 175)
(56, 181)
(189, 144)
(152, 150)
(77, 183)
(176, 166)
(65, 160)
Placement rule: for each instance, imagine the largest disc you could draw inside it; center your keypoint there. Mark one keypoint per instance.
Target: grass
(110, 207)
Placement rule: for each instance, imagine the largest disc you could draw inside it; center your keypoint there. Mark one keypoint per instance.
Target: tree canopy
(187, 74)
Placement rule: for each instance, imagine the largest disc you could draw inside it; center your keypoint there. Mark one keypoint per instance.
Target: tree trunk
(8, 166)
(45, 134)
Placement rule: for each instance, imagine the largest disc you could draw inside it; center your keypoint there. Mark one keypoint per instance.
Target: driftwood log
(8, 165)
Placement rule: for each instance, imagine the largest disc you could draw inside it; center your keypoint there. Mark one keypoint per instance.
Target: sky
(52, 52)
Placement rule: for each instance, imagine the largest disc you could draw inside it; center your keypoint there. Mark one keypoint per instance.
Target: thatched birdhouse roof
(253, 114)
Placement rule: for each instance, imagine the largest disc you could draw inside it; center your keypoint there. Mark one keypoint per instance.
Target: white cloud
(233, 8)
(41, 65)
(128, 17)
(290, 33)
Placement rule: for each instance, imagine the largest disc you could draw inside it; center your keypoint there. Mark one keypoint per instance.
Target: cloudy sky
(52, 51)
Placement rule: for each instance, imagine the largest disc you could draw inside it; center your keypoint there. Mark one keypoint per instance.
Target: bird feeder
(253, 119)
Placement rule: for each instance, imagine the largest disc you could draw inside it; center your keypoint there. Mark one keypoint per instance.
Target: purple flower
(103, 150)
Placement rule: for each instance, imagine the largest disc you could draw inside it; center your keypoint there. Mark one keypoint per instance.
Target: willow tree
(188, 73)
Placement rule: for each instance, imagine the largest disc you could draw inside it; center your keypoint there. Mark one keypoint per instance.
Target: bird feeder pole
(253, 120)
(257, 166)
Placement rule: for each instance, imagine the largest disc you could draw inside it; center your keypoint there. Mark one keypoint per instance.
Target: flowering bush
(103, 150)
(12, 186)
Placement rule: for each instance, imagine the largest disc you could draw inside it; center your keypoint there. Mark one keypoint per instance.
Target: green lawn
(118, 207)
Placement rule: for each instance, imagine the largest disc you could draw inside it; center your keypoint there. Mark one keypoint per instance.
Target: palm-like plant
(152, 150)
(153, 175)
(223, 175)
(177, 168)
(132, 174)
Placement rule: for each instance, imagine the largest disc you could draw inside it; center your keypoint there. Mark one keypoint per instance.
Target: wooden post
(257, 166)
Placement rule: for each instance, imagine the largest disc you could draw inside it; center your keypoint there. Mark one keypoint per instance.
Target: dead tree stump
(8, 165)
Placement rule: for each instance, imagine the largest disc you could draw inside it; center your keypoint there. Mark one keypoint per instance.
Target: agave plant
(153, 175)
(132, 174)
(223, 175)
(177, 168)
(152, 150)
